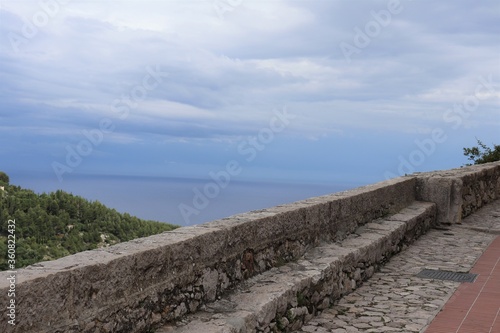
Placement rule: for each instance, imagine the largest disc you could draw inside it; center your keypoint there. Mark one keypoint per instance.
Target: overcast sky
(299, 91)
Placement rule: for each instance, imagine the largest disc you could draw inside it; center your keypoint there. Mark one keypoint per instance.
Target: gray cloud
(226, 76)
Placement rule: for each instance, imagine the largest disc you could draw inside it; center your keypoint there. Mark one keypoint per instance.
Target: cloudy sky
(295, 91)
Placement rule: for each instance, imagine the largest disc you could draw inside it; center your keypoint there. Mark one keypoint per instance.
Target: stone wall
(460, 192)
(133, 286)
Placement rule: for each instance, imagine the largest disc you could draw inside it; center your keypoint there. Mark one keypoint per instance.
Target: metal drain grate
(445, 275)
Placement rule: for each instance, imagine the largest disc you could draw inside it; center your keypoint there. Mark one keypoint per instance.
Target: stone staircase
(283, 298)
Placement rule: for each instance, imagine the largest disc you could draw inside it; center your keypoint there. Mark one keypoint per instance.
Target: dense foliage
(50, 226)
(4, 178)
(482, 153)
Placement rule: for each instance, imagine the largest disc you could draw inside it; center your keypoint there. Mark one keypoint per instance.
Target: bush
(4, 178)
(481, 153)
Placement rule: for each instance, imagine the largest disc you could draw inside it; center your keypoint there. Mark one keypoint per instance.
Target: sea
(180, 201)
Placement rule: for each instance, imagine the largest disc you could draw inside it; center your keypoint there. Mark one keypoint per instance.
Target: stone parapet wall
(133, 286)
(460, 192)
(285, 298)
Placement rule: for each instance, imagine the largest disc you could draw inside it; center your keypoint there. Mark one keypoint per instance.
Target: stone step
(396, 299)
(283, 298)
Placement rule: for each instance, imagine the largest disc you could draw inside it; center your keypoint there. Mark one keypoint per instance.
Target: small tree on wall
(481, 153)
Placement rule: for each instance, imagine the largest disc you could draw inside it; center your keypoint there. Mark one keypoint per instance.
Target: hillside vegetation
(50, 226)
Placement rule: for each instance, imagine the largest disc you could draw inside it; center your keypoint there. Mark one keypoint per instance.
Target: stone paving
(394, 299)
(486, 221)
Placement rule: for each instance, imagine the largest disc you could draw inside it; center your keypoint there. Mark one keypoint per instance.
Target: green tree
(4, 178)
(481, 153)
(49, 226)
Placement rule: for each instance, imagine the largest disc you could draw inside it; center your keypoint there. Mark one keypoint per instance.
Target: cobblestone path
(394, 299)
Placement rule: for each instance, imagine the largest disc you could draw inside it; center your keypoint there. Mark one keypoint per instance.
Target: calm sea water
(160, 199)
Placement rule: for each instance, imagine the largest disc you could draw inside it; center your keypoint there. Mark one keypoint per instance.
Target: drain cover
(445, 275)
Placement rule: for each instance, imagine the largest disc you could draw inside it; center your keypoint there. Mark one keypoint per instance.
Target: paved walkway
(474, 307)
(396, 300)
